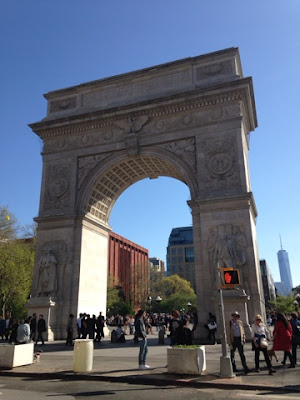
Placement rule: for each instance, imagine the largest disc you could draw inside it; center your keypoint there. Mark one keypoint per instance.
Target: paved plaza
(118, 362)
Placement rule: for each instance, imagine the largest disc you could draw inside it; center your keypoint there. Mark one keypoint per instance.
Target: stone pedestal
(46, 307)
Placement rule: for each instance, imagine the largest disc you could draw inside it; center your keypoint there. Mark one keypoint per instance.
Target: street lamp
(189, 304)
(158, 300)
(149, 299)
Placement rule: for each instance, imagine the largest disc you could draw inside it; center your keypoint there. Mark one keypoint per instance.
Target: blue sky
(49, 45)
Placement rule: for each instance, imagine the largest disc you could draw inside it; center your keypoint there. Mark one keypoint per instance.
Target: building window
(189, 254)
(173, 250)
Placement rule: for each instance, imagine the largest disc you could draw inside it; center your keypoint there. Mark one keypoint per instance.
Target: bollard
(83, 355)
(161, 337)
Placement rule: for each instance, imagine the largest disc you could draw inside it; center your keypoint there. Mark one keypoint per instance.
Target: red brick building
(128, 266)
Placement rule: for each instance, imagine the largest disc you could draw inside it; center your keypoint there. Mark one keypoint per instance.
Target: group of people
(286, 338)
(23, 330)
(86, 326)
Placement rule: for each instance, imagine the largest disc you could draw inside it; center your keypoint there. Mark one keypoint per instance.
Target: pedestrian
(2, 327)
(282, 338)
(23, 332)
(236, 339)
(174, 324)
(260, 334)
(142, 338)
(212, 328)
(70, 330)
(295, 323)
(184, 333)
(32, 325)
(78, 324)
(13, 331)
(41, 328)
(100, 322)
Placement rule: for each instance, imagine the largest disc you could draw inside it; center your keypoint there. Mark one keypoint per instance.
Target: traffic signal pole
(225, 361)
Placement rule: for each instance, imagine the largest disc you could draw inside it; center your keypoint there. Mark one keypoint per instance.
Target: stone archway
(190, 120)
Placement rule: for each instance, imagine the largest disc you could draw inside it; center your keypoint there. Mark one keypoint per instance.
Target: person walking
(260, 334)
(236, 339)
(295, 323)
(70, 330)
(33, 327)
(41, 327)
(282, 338)
(140, 331)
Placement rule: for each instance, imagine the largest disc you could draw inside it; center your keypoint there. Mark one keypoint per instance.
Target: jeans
(143, 351)
(237, 344)
(256, 357)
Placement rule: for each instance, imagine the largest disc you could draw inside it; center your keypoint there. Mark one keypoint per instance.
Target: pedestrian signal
(229, 278)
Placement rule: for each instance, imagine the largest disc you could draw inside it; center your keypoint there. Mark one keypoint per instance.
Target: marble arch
(189, 119)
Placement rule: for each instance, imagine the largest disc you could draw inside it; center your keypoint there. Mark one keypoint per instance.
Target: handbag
(263, 343)
(212, 326)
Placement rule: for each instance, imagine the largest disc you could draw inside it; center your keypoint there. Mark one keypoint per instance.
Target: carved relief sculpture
(227, 247)
(220, 163)
(185, 149)
(57, 187)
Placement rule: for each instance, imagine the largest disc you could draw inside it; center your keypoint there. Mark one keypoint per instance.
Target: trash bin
(161, 337)
(83, 355)
(114, 336)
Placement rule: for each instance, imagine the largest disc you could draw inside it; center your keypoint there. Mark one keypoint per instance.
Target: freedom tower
(285, 271)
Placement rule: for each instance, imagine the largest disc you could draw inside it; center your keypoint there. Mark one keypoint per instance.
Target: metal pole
(225, 361)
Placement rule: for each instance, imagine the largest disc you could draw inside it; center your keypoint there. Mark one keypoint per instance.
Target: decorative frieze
(104, 129)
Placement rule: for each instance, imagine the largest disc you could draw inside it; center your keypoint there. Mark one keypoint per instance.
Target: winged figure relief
(132, 124)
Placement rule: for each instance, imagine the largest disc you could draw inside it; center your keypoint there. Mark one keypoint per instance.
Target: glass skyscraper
(180, 254)
(285, 271)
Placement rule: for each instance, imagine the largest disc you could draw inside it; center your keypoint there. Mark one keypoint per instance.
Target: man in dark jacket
(142, 338)
(41, 327)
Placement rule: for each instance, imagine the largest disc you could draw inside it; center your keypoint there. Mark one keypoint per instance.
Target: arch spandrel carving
(119, 130)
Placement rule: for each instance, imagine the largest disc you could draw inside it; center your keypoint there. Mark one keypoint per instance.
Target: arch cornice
(240, 90)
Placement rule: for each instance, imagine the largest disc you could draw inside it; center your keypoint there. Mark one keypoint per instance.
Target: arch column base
(46, 307)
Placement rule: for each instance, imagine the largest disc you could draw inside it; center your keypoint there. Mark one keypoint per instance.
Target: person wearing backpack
(295, 323)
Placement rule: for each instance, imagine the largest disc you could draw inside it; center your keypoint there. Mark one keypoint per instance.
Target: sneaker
(143, 367)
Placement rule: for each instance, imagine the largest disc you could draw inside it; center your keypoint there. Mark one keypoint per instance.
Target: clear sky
(49, 45)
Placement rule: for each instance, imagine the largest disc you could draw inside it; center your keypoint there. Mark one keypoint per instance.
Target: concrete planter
(186, 361)
(12, 355)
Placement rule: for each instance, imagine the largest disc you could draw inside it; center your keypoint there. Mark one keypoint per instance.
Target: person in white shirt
(260, 333)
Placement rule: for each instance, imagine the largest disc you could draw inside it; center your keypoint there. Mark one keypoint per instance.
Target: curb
(144, 380)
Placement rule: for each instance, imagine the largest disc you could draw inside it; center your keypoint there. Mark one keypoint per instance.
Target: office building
(128, 267)
(157, 264)
(180, 254)
(268, 282)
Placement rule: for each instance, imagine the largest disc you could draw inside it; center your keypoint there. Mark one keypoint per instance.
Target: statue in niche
(47, 282)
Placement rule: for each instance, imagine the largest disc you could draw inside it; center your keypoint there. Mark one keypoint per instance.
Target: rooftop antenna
(280, 241)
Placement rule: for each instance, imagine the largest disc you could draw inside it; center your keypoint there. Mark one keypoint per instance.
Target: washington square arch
(190, 120)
